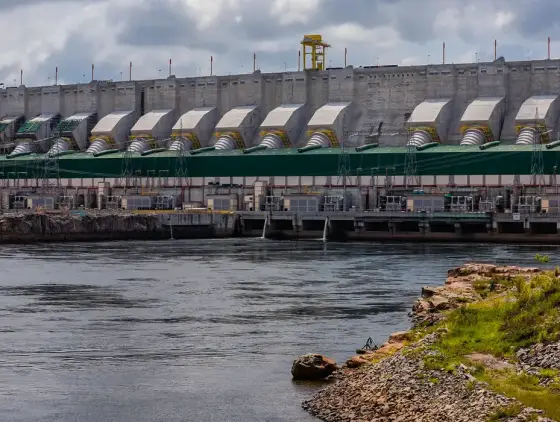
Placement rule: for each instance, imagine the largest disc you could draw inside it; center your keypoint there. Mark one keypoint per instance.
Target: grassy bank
(514, 313)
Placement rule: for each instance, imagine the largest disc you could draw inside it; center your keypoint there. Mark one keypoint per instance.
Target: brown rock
(313, 367)
(399, 337)
(356, 362)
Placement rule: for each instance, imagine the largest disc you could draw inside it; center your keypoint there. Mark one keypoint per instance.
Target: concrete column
(392, 228)
(458, 229)
(527, 225)
(558, 227)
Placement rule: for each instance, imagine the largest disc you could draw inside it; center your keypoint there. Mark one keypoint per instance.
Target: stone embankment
(36, 227)
(410, 378)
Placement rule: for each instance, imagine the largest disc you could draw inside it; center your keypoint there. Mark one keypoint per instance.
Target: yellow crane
(314, 46)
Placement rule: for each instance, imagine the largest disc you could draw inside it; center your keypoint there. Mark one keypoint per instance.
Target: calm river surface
(198, 330)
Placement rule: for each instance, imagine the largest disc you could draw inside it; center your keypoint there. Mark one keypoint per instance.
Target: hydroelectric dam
(446, 139)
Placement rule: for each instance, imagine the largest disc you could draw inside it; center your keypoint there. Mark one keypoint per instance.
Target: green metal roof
(440, 160)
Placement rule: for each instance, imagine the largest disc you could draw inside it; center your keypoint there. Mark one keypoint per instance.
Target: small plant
(543, 259)
(505, 413)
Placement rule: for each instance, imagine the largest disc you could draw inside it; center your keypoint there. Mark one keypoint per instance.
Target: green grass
(527, 313)
(504, 413)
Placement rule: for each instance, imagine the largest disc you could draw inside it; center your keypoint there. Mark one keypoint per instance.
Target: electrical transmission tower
(126, 165)
(50, 174)
(410, 168)
(537, 161)
(181, 166)
(343, 167)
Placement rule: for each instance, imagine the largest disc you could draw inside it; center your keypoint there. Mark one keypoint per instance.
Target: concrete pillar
(392, 227)
(359, 226)
(558, 227)
(527, 225)
(458, 229)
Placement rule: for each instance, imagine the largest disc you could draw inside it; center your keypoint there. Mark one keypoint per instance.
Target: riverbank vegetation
(493, 329)
(515, 313)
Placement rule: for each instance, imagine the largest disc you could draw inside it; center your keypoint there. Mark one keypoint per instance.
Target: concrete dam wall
(469, 103)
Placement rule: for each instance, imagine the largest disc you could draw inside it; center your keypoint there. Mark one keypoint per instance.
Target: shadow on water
(72, 296)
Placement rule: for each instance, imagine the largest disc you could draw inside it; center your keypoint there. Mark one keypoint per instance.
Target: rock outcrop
(42, 227)
(394, 382)
(313, 367)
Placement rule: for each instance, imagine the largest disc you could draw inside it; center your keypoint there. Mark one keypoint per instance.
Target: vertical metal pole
(56, 76)
(299, 60)
(254, 62)
(21, 77)
(495, 50)
(130, 72)
(92, 71)
(443, 60)
(345, 56)
(169, 67)
(548, 48)
(211, 64)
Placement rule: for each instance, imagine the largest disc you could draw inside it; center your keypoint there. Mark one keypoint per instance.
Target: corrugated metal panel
(427, 111)
(481, 109)
(106, 125)
(280, 115)
(148, 121)
(192, 118)
(234, 118)
(327, 115)
(540, 103)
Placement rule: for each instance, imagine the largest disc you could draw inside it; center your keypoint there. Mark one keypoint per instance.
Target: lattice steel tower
(410, 167)
(50, 174)
(181, 165)
(126, 165)
(343, 167)
(537, 161)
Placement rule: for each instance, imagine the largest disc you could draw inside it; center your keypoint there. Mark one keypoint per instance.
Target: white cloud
(38, 35)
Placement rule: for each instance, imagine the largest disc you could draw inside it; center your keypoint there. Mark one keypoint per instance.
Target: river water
(199, 330)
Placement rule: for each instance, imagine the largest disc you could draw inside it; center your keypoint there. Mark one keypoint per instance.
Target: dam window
(300, 80)
(171, 86)
(290, 80)
(500, 70)
(325, 78)
(158, 86)
(242, 82)
(514, 70)
(103, 90)
(333, 77)
(234, 83)
(473, 72)
(482, 70)
(526, 69)
(31, 95)
(461, 72)
(539, 68)
(202, 84)
(268, 81)
(182, 85)
(193, 84)
(361, 76)
(151, 87)
(553, 68)
(255, 82)
(314, 78)
(211, 83)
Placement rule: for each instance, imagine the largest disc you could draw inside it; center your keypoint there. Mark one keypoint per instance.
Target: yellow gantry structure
(314, 46)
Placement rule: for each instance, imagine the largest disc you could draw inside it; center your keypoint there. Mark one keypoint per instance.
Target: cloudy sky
(38, 35)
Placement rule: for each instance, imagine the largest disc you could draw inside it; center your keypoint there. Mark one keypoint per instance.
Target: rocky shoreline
(431, 373)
